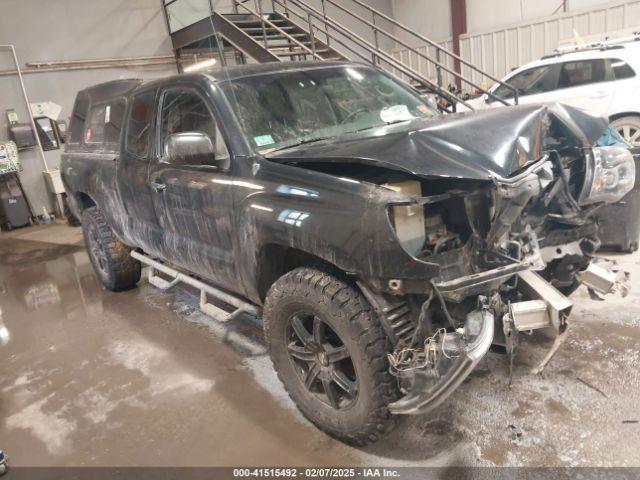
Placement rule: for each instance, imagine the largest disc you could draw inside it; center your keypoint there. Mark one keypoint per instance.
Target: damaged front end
(510, 250)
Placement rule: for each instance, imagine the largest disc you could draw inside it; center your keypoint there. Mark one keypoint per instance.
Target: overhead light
(200, 65)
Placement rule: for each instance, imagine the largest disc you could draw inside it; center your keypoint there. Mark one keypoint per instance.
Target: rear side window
(139, 124)
(583, 72)
(94, 134)
(621, 69)
(78, 118)
(105, 124)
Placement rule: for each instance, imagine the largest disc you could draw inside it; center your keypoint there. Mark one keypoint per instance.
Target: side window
(185, 111)
(534, 80)
(78, 118)
(104, 125)
(583, 72)
(139, 124)
(621, 69)
(94, 134)
(113, 121)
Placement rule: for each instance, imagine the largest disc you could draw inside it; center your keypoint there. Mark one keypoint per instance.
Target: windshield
(285, 109)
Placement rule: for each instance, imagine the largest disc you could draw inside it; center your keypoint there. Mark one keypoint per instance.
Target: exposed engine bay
(510, 252)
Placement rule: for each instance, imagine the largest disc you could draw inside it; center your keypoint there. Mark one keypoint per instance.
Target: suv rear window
(621, 69)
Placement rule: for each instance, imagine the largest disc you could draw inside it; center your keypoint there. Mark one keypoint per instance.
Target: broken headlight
(408, 219)
(610, 175)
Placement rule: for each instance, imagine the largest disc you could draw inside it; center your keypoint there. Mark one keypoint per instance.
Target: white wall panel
(499, 51)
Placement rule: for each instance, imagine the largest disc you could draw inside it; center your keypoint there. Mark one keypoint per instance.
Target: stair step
(297, 52)
(257, 20)
(267, 28)
(287, 46)
(283, 37)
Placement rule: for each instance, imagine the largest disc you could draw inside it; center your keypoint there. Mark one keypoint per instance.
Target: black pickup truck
(386, 247)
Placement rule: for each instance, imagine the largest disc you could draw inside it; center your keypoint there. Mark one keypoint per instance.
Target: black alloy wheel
(322, 360)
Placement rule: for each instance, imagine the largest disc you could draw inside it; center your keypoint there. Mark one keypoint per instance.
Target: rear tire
(629, 128)
(111, 258)
(329, 351)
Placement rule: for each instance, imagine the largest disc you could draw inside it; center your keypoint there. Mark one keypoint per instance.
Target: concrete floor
(90, 377)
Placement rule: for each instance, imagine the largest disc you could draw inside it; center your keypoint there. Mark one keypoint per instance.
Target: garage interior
(144, 378)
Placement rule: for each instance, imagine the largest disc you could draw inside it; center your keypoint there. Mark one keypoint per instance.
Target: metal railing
(326, 23)
(321, 26)
(366, 50)
(264, 21)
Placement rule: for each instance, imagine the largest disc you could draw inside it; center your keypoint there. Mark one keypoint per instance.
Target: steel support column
(458, 27)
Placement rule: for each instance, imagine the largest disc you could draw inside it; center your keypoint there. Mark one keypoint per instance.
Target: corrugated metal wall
(418, 63)
(498, 52)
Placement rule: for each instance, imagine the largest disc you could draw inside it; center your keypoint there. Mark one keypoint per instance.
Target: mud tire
(350, 316)
(111, 258)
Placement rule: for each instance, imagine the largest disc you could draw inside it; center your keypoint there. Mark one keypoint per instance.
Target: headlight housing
(408, 219)
(610, 175)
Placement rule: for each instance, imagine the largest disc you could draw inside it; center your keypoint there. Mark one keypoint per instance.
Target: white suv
(601, 78)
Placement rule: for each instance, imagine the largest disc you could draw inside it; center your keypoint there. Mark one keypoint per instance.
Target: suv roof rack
(605, 44)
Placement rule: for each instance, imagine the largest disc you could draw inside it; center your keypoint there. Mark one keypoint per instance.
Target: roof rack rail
(606, 44)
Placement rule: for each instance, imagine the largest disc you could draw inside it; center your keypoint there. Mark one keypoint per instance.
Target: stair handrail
(437, 64)
(264, 20)
(327, 34)
(417, 76)
(425, 39)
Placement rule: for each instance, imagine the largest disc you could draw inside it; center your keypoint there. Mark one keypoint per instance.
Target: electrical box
(22, 134)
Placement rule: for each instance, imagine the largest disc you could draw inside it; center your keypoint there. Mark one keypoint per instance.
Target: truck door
(140, 224)
(193, 191)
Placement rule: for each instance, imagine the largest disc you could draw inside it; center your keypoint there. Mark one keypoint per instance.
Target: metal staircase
(297, 30)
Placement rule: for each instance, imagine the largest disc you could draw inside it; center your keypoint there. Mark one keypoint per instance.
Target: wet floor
(91, 377)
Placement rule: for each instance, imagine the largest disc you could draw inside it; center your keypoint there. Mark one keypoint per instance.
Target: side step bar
(207, 308)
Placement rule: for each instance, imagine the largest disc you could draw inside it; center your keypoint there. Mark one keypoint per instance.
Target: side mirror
(189, 148)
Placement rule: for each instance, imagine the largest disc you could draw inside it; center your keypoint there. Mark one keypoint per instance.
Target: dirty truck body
(387, 247)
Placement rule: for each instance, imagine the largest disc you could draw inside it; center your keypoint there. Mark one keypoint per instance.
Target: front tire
(111, 258)
(329, 351)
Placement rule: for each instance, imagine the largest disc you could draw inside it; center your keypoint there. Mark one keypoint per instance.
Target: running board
(205, 290)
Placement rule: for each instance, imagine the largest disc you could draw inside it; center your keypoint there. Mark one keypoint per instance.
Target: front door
(193, 196)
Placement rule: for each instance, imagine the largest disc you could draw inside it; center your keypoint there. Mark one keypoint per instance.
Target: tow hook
(442, 365)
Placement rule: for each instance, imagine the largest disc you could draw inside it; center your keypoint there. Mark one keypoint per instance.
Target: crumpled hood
(478, 145)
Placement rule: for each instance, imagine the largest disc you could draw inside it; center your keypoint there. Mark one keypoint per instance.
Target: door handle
(158, 186)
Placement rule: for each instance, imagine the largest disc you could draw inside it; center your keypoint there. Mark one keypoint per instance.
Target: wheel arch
(618, 116)
(275, 260)
(84, 201)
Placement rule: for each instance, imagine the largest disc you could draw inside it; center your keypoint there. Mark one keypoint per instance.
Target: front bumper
(426, 395)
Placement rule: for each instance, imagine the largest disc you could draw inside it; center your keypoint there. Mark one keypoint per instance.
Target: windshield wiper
(382, 125)
(301, 142)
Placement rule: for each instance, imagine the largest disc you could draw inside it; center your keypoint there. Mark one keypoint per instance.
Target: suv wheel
(629, 129)
(110, 258)
(330, 353)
